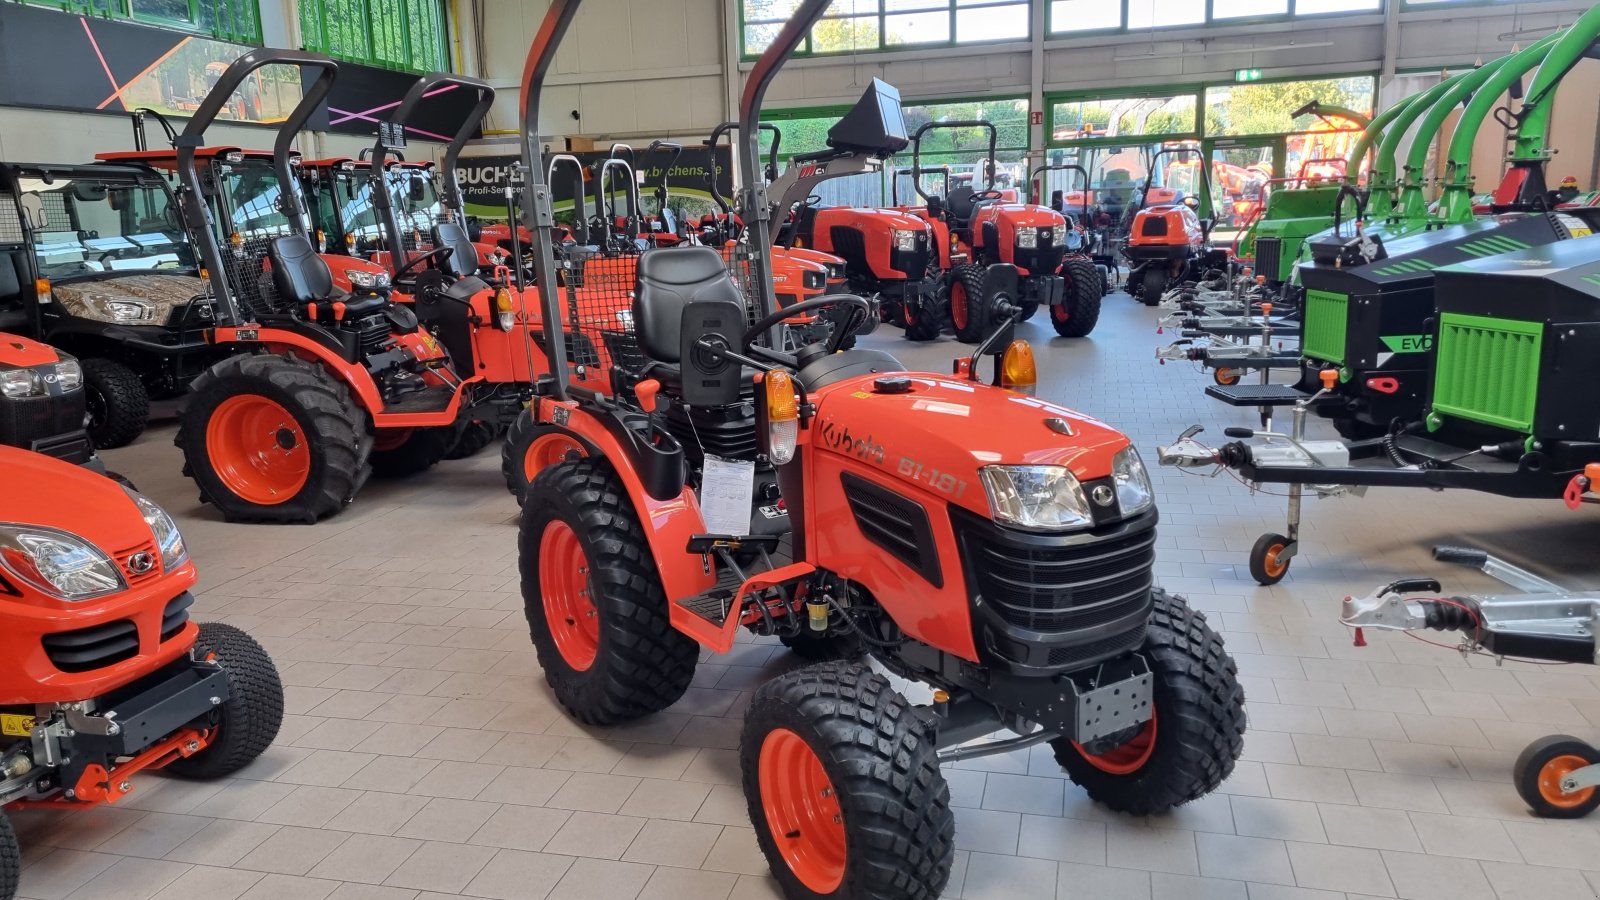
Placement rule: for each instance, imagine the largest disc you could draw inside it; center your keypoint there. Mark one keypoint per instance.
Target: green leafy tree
(1265, 108)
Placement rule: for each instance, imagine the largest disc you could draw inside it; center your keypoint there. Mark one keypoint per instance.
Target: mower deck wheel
(593, 598)
(248, 721)
(271, 438)
(532, 446)
(1152, 285)
(1080, 298)
(1268, 564)
(1196, 733)
(968, 309)
(10, 859)
(119, 406)
(841, 776)
(1539, 769)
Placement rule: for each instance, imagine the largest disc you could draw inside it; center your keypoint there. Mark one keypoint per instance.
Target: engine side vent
(897, 524)
(1488, 370)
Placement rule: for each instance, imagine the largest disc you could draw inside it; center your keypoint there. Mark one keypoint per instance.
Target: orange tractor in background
(1170, 242)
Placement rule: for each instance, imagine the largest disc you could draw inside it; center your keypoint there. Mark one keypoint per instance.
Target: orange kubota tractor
(993, 546)
(322, 386)
(102, 673)
(977, 229)
(1170, 242)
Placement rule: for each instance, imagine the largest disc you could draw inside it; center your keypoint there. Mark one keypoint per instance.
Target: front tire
(842, 780)
(968, 306)
(248, 721)
(1080, 299)
(273, 439)
(1190, 745)
(596, 610)
(119, 406)
(1153, 284)
(530, 448)
(921, 319)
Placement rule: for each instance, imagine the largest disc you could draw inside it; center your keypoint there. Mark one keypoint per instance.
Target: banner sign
(484, 180)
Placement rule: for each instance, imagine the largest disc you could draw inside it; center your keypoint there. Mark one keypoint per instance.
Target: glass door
(1242, 173)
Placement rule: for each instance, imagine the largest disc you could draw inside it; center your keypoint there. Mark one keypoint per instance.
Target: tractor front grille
(130, 560)
(92, 648)
(1326, 323)
(1269, 255)
(1488, 370)
(37, 423)
(1065, 585)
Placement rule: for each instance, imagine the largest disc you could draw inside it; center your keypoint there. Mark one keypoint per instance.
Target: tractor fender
(669, 523)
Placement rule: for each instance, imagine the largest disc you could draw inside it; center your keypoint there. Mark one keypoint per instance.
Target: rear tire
(596, 610)
(10, 860)
(248, 721)
(1080, 299)
(921, 320)
(119, 406)
(314, 465)
(415, 452)
(530, 447)
(1198, 731)
(968, 309)
(842, 780)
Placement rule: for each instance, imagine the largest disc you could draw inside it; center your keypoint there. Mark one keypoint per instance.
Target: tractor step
(713, 606)
(1256, 394)
(433, 399)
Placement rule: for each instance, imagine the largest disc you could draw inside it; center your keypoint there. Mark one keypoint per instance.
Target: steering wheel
(861, 308)
(990, 194)
(442, 253)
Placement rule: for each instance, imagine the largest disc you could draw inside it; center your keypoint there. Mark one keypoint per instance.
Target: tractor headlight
(1058, 234)
(905, 241)
(835, 271)
(369, 281)
(1027, 238)
(814, 281)
(1134, 492)
(169, 540)
(57, 563)
(1035, 496)
(69, 375)
(19, 383)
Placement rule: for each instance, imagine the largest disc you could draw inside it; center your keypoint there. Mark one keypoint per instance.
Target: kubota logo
(841, 440)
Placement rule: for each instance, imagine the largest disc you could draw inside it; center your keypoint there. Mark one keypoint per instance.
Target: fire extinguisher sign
(1036, 117)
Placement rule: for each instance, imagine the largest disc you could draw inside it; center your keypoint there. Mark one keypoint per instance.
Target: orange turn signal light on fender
(1018, 370)
(504, 310)
(41, 287)
(783, 416)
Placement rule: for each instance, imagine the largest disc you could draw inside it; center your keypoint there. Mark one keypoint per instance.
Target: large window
(1264, 107)
(1110, 117)
(229, 20)
(395, 34)
(854, 26)
(1078, 16)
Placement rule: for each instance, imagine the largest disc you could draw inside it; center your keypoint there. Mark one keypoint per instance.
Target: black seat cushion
(669, 279)
(960, 203)
(463, 259)
(300, 275)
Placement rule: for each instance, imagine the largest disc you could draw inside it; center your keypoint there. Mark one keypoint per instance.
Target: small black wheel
(969, 309)
(1195, 735)
(596, 610)
(1029, 308)
(248, 721)
(1268, 565)
(809, 645)
(1079, 310)
(530, 447)
(472, 436)
(1226, 377)
(923, 320)
(842, 779)
(10, 860)
(1540, 768)
(398, 452)
(119, 406)
(1153, 285)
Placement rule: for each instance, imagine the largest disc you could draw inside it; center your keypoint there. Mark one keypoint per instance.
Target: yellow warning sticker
(13, 725)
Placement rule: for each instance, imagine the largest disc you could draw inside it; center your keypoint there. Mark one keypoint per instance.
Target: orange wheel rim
(564, 586)
(1272, 562)
(258, 449)
(1128, 758)
(547, 450)
(958, 304)
(391, 439)
(1227, 376)
(1550, 782)
(802, 811)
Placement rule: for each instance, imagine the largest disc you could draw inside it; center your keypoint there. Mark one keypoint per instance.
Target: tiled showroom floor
(424, 756)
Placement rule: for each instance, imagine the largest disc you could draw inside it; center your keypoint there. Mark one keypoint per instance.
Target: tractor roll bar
(916, 173)
(1038, 196)
(580, 222)
(602, 209)
(772, 159)
(193, 137)
(537, 210)
(666, 171)
(916, 149)
(754, 204)
(451, 195)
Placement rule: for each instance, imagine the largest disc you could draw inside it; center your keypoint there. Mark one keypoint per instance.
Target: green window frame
(404, 35)
(878, 26)
(1113, 16)
(238, 21)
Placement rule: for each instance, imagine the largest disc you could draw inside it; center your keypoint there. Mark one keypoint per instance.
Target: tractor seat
(463, 259)
(961, 203)
(304, 280)
(668, 280)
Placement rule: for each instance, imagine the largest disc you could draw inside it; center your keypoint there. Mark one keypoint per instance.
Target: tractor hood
(44, 491)
(949, 427)
(18, 352)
